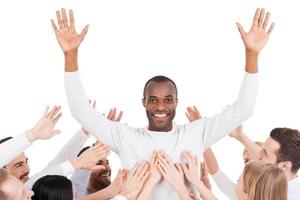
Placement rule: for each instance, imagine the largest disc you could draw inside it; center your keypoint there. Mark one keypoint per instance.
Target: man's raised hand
(66, 33)
(257, 37)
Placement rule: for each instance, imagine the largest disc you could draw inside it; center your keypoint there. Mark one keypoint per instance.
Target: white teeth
(160, 115)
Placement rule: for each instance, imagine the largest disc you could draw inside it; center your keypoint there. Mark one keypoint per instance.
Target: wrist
(113, 190)
(252, 52)
(31, 136)
(71, 64)
(76, 163)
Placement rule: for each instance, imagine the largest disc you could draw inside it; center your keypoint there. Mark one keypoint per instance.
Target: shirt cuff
(23, 141)
(67, 168)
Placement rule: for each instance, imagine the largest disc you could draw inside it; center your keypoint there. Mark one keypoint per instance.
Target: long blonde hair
(263, 181)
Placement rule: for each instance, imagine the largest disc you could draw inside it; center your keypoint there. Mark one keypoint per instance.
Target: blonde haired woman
(259, 181)
(262, 181)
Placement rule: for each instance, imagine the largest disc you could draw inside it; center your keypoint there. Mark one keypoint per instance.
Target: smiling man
(160, 101)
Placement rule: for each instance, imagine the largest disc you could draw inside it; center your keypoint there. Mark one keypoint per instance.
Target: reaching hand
(204, 176)
(155, 176)
(193, 114)
(44, 128)
(190, 168)
(112, 115)
(258, 35)
(66, 34)
(90, 158)
(135, 181)
(172, 173)
(115, 187)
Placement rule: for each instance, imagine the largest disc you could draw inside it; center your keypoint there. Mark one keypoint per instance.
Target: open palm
(257, 37)
(66, 33)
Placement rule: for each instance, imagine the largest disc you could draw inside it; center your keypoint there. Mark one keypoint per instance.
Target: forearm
(183, 193)
(211, 161)
(71, 61)
(205, 193)
(63, 169)
(251, 62)
(105, 193)
(71, 149)
(249, 144)
(147, 191)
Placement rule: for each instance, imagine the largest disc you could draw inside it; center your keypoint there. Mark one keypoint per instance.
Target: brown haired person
(160, 102)
(281, 148)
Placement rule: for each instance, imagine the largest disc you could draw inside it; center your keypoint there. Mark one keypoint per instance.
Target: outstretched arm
(43, 129)
(86, 115)
(232, 116)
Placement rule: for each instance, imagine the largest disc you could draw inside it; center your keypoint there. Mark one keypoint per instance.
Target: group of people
(162, 160)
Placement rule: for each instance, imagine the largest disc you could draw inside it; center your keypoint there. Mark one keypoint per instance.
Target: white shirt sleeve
(223, 123)
(119, 197)
(63, 169)
(107, 131)
(12, 148)
(71, 149)
(225, 184)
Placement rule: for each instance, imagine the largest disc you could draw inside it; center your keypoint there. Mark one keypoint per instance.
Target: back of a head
(3, 177)
(53, 187)
(264, 181)
(5, 139)
(289, 141)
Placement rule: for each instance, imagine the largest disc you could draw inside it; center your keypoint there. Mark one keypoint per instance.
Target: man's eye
(170, 100)
(152, 100)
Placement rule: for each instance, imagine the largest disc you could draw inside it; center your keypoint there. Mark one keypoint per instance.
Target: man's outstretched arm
(232, 116)
(89, 118)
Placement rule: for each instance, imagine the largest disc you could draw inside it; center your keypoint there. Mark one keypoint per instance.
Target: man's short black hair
(289, 150)
(159, 79)
(5, 139)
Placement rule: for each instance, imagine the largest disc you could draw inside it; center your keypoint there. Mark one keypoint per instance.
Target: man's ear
(286, 166)
(144, 102)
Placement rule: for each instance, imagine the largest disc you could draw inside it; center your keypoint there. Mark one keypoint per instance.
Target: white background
(196, 43)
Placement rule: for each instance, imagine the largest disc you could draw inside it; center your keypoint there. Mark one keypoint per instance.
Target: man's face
(100, 178)
(160, 102)
(19, 168)
(15, 190)
(269, 151)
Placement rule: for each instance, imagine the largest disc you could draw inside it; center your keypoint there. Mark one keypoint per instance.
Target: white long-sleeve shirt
(225, 184)
(135, 144)
(61, 165)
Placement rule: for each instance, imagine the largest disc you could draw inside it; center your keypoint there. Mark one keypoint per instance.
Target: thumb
(84, 32)
(241, 29)
(55, 132)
